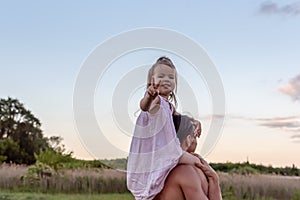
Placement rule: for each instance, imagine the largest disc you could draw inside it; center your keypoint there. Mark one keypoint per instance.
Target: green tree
(56, 156)
(9, 149)
(20, 133)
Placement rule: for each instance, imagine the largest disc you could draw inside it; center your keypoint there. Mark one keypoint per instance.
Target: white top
(154, 152)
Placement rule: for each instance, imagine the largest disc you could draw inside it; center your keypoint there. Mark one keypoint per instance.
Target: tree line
(251, 168)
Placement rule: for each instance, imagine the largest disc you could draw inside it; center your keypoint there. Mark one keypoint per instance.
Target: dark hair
(183, 126)
(165, 61)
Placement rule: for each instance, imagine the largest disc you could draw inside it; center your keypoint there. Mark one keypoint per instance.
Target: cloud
(290, 124)
(296, 138)
(262, 119)
(287, 123)
(277, 118)
(282, 124)
(292, 88)
(270, 7)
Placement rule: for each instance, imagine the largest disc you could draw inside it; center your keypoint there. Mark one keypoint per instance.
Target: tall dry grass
(257, 186)
(111, 181)
(66, 181)
(10, 175)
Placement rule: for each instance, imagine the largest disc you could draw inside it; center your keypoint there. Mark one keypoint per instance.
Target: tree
(20, 133)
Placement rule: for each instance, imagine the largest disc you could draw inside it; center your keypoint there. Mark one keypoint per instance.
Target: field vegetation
(33, 166)
(99, 183)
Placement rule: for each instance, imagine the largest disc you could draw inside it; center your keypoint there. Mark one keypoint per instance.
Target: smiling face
(166, 76)
(169, 89)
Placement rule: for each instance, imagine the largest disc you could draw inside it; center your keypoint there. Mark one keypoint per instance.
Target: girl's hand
(198, 128)
(150, 102)
(214, 190)
(153, 89)
(206, 168)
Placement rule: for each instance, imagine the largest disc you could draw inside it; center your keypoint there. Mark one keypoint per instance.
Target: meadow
(42, 196)
(109, 184)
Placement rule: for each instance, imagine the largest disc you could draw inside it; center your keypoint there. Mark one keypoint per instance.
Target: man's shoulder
(181, 172)
(183, 167)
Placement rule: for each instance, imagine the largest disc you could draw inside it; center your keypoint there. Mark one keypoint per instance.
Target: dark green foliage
(72, 163)
(20, 133)
(53, 159)
(119, 163)
(244, 170)
(248, 168)
(37, 172)
(9, 149)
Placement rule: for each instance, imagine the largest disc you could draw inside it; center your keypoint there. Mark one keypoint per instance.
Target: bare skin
(214, 191)
(186, 182)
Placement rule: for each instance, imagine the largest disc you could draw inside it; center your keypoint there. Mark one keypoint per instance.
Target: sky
(254, 46)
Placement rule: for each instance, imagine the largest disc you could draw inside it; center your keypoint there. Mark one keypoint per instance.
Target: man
(187, 182)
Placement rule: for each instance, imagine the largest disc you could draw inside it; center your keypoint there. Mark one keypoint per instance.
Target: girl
(155, 150)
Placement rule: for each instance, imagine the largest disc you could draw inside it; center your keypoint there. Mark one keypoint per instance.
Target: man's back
(185, 182)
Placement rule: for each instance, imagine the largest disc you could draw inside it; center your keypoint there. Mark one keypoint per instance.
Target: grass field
(40, 196)
(110, 184)
(126, 196)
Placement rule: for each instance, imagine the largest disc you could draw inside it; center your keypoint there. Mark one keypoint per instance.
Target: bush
(247, 170)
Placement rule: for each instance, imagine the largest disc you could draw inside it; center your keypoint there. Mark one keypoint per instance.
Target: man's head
(185, 132)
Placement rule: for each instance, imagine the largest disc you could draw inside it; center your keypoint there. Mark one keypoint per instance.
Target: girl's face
(166, 76)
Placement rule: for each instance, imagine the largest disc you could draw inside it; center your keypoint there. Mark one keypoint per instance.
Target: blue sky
(254, 44)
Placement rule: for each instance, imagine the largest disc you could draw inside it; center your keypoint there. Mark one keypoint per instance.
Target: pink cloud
(292, 88)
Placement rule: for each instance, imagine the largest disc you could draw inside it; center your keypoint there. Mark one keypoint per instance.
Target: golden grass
(12, 170)
(254, 186)
(95, 181)
(67, 181)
